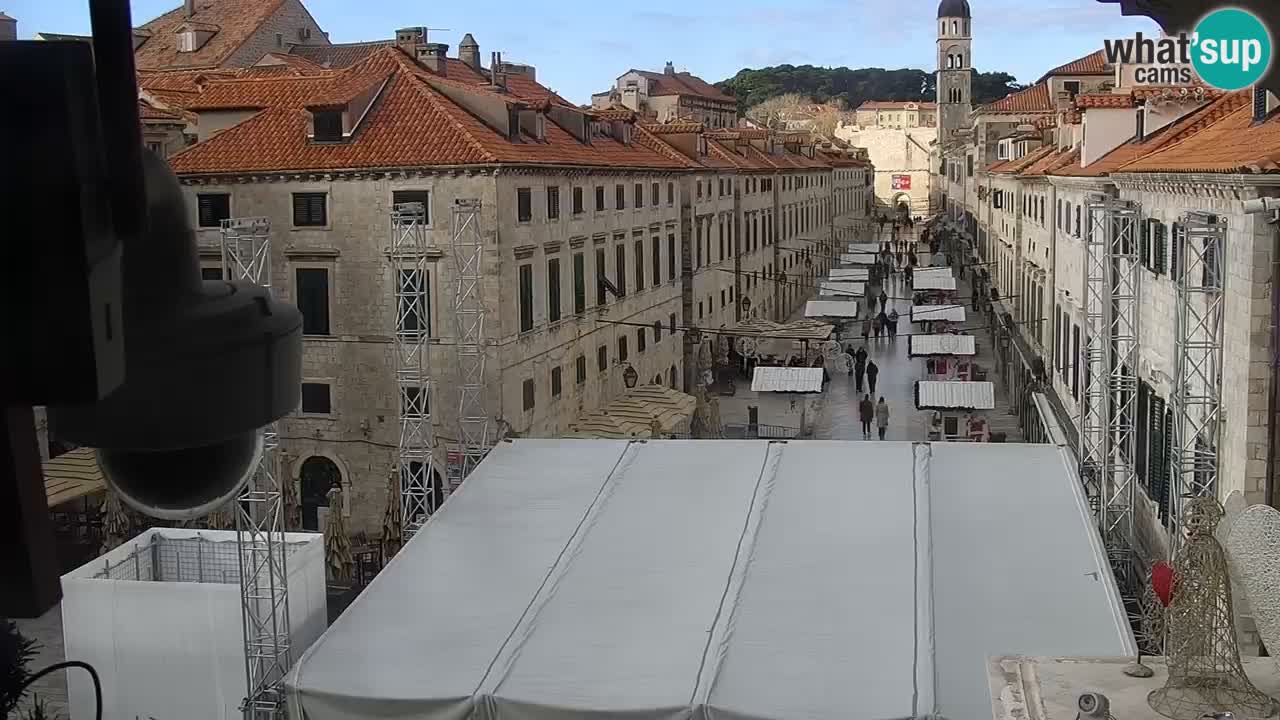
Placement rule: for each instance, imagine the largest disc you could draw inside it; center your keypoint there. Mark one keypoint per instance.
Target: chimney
(497, 77)
(669, 69)
(189, 7)
(469, 52)
(408, 38)
(8, 27)
(435, 57)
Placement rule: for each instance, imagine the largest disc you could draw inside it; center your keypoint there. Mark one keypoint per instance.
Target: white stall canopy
(842, 289)
(581, 579)
(831, 309)
(872, 248)
(933, 279)
(955, 395)
(787, 380)
(936, 313)
(849, 274)
(944, 344)
(858, 259)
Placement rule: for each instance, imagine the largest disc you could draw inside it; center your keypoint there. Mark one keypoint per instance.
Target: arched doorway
(318, 475)
(902, 204)
(437, 487)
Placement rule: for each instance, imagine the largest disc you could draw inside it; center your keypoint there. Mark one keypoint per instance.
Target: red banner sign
(901, 182)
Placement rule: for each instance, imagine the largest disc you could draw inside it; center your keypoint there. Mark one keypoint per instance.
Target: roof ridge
(221, 135)
(653, 142)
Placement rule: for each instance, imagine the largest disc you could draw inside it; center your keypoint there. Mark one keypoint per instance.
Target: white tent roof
(858, 259)
(831, 309)
(955, 395)
(842, 289)
(933, 279)
(849, 274)
(933, 313)
(919, 345)
(787, 379)
(726, 579)
(873, 248)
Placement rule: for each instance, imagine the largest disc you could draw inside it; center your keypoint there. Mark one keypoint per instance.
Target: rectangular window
(600, 198)
(315, 399)
(577, 201)
(555, 381)
(619, 197)
(326, 126)
(602, 358)
(312, 286)
(639, 258)
(1077, 232)
(622, 349)
(697, 262)
(553, 203)
(640, 340)
(579, 284)
(721, 226)
(421, 197)
(213, 208)
(654, 194)
(671, 322)
(657, 331)
(639, 193)
(524, 205)
(580, 369)
(601, 297)
(526, 297)
(553, 289)
(210, 273)
(310, 209)
(1075, 356)
(671, 194)
(620, 269)
(415, 303)
(671, 255)
(656, 244)
(528, 394)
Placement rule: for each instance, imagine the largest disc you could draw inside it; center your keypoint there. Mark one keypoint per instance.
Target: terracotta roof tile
(896, 105)
(339, 55)
(147, 111)
(1051, 161)
(682, 83)
(1219, 138)
(1105, 101)
(615, 114)
(1196, 92)
(410, 124)
(674, 128)
(1034, 99)
(1095, 63)
(234, 20)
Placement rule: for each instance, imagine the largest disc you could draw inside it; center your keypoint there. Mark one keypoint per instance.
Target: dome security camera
(208, 364)
(1093, 705)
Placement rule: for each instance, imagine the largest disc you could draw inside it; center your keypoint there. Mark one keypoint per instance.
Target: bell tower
(955, 67)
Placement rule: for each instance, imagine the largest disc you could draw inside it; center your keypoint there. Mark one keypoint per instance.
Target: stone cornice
(1092, 184)
(1206, 185)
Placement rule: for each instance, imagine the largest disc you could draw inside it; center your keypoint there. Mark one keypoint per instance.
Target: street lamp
(630, 377)
(746, 304)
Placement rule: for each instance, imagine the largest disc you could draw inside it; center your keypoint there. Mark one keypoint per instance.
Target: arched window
(960, 60)
(319, 475)
(671, 378)
(955, 27)
(942, 29)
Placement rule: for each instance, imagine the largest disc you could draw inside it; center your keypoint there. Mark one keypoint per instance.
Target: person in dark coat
(866, 413)
(866, 326)
(893, 324)
(859, 367)
(884, 300)
(873, 372)
(882, 324)
(909, 272)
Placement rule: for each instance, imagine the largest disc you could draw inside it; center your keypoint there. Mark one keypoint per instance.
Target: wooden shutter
(1159, 263)
(1144, 247)
(1175, 251)
(1160, 453)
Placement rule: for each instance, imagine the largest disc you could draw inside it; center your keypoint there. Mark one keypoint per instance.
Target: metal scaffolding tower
(469, 314)
(1200, 245)
(415, 457)
(1108, 420)
(264, 598)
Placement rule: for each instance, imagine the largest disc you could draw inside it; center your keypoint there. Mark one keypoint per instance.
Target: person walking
(866, 413)
(893, 324)
(873, 372)
(882, 416)
(859, 367)
(909, 272)
(882, 324)
(866, 326)
(884, 300)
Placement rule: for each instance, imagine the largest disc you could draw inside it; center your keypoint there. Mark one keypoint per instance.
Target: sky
(580, 48)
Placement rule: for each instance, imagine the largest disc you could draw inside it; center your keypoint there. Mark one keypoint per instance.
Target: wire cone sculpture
(292, 504)
(117, 523)
(337, 544)
(392, 522)
(1205, 671)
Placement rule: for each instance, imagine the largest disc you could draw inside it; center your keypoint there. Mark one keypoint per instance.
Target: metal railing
(758, 431)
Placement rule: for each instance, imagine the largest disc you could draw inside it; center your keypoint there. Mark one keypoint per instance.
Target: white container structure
(159, 619)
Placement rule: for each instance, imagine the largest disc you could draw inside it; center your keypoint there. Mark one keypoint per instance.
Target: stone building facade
(567, 197)
(1019, 180)
(896, 114)
(670, 96)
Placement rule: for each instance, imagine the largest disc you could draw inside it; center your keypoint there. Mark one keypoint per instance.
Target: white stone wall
(897, 151)
(286, 21)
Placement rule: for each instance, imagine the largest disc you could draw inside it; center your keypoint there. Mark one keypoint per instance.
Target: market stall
(937, 318)
(834, 288)
(849, 274)
(947, 356)
(955, 404)
(833, 309)
(643, 412)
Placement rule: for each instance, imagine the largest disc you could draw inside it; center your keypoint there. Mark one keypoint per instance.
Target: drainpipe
(1272, 205)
